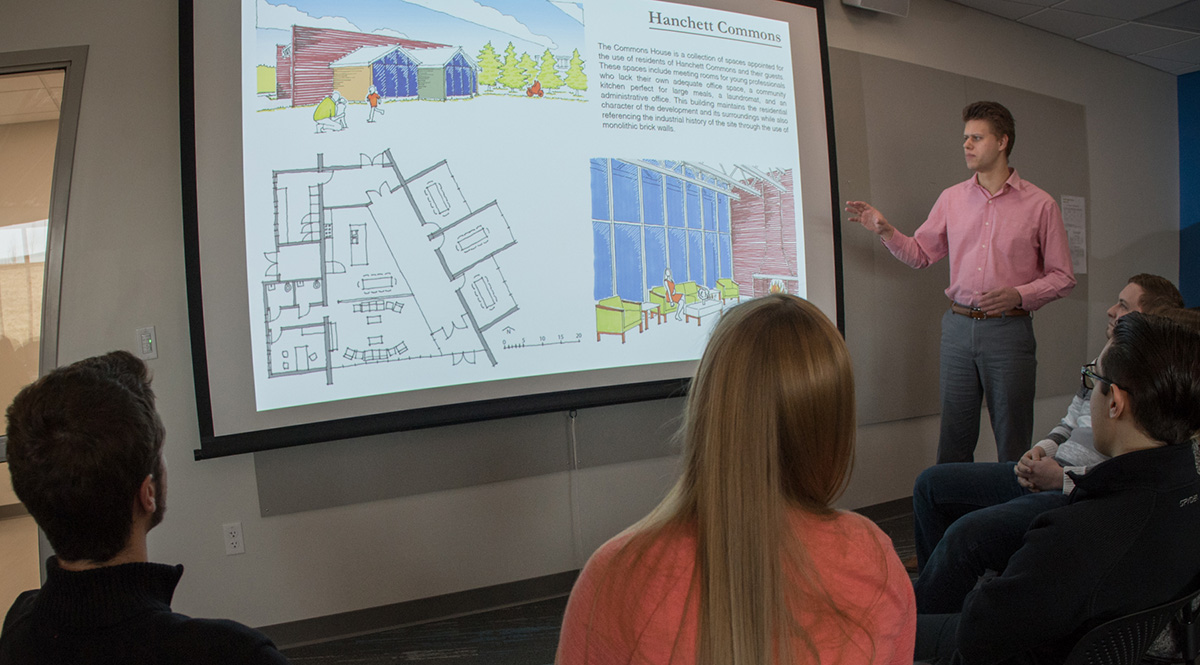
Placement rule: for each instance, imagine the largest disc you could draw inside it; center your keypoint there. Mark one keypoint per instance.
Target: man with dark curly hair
(85, 454)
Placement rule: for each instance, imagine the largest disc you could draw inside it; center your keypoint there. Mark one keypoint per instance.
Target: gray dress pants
(992, 358)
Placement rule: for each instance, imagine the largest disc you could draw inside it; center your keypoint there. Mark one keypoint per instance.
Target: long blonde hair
(769, 427)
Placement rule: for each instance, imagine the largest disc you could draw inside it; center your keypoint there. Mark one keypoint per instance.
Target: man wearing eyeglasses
(969, 518)
(1129, 537)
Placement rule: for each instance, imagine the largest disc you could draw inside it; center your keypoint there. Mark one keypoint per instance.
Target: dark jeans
(969, 518)
(936, 637)
(937, 642)
(992, 358)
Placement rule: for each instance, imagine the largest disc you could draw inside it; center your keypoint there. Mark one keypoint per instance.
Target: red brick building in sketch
(302, 71)
(283, 71)
(764, 236)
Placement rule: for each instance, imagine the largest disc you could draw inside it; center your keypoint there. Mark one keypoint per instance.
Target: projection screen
(408, 214)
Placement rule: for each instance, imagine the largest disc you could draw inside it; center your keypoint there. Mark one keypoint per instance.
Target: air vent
(894, 7)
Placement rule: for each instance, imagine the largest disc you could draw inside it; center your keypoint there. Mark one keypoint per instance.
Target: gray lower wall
(124, 269)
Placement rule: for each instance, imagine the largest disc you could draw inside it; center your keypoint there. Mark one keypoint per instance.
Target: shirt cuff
(1026, 292)
(894, 242)
(1048, 446)
(1068, 481)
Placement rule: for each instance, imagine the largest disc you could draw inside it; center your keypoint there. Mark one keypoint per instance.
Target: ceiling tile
(1135, 38)
(12, 82)
(1164, 34)
(1003, 8)
(28, 117)
(1069, 24)
(1184, 17)
(26, 101)
(11, 103)
(52, 79)
(1122, 9)
(29, 97)
(1188, 52)
(1169, 66)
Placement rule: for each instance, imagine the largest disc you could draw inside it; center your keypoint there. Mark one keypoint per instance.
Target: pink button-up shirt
(1015, 238)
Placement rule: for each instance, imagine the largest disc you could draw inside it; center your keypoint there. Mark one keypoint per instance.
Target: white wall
(124, 269)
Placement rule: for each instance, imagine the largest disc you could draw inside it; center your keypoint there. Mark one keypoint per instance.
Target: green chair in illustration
(615, 316)
(689, 290)
(728, 289)
(658, 296)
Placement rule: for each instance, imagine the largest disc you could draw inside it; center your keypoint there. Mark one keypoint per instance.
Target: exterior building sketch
(313, 63)
(371, 266)
(319, 61)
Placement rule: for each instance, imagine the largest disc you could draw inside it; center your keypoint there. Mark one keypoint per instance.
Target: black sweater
(1129, 540)
(121, 614)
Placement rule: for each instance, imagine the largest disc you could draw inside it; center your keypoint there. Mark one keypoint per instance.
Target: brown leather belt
(975, 313)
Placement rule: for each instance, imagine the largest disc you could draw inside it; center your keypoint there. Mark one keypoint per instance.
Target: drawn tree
(576, 79)
(548, 74)
(529, 68)
(511, 75)
(489, 65)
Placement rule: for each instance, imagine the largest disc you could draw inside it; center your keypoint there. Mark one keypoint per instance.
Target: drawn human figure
(341, 105)
(330, 114)
(677, 298)
(373, 100)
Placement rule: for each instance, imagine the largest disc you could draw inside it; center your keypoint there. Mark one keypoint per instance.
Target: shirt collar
(1014, 181)
(1158, 468)
(105, 596)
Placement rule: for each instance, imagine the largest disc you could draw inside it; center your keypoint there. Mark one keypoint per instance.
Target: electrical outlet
(232, 535)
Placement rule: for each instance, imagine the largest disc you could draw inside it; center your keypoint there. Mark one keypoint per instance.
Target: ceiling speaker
(894, 7)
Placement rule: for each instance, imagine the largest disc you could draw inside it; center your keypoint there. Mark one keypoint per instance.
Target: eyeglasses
(1088, 377)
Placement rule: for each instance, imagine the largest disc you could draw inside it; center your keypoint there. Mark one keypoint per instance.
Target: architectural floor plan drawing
(373, 266)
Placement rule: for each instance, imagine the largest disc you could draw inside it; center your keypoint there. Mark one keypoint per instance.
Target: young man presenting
(85, 455)
(1008, 257)
(1129, 539)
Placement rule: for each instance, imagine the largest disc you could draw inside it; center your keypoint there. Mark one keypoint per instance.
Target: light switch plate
(147, 343)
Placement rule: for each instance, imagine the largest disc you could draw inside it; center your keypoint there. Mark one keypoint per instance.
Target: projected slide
(458, 192)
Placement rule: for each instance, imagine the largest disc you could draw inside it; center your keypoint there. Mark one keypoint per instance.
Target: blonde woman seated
(745, 562)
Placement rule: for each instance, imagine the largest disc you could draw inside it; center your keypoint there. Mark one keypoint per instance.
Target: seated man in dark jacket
(1130, 537)
(970, 517)
(85, 454)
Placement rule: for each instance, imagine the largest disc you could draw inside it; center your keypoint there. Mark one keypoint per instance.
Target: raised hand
(871, 219)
